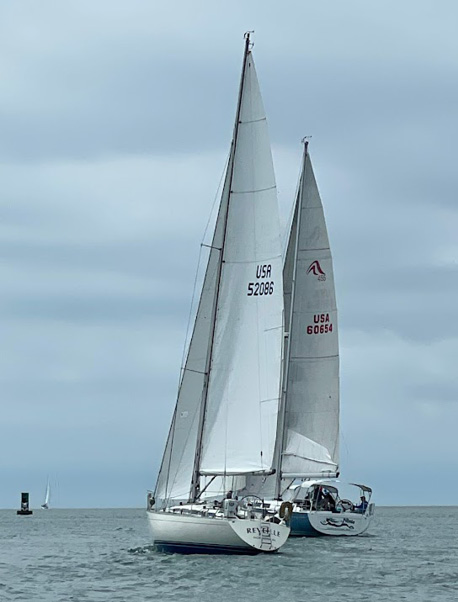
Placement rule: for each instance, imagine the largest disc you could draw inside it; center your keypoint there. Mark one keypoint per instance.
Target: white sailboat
(225, 419)
(308, 437)
(45, 504)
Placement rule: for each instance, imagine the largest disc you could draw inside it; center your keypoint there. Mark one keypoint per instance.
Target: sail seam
(271, 399)
(259, 260)
(309, 459)
(210, 247)
(196, 371)
(313, 357)
(253, 191)
(315, 249)
(253, 120)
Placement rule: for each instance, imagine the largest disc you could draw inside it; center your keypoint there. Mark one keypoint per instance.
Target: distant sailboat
(224, 424)
(45, 504)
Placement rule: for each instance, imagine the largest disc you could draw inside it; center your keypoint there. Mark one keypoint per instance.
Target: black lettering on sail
(263, 271)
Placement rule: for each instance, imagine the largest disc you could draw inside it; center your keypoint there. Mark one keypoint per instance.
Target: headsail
(311, 422)
(177, 467)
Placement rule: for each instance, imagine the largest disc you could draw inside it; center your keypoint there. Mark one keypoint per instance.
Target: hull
(24, 512)
(317, 523)
(193, 534)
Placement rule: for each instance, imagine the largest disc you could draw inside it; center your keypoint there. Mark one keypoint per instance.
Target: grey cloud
(436, 392)
(116, 119)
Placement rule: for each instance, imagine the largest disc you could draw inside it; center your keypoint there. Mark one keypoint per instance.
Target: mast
(195, 479)
(283, 409)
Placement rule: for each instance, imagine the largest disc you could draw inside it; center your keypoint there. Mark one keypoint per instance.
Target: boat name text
(263, 531)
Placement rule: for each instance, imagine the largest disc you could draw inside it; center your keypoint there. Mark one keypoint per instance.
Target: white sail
(244, 384)
(175, 475)
(311, 429)
(47, 494)
(45, 504)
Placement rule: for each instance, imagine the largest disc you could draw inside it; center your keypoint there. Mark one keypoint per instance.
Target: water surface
(105, 555)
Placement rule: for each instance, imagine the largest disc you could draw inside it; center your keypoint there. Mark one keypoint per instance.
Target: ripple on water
(106, 555)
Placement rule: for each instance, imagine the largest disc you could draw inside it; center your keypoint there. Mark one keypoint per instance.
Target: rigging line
(196, 277)
(206, 486)
(217, 195)
(185, 346)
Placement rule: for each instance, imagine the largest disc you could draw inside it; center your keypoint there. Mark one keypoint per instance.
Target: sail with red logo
(310, 435)
(307, 451)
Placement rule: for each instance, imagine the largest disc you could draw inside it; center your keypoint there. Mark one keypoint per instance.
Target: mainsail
(244, 384)
(226, 414)
(310, 437)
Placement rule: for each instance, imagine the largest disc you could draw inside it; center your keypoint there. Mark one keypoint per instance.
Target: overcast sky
(115, 124)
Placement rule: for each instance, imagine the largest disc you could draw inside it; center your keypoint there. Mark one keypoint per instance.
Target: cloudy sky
(115, 123)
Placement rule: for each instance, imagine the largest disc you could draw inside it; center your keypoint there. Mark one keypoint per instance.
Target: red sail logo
(316, 269)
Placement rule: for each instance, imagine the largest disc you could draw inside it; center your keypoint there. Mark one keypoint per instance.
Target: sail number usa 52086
(263, 286)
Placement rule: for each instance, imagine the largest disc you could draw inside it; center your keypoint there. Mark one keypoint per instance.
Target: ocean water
(106, 555)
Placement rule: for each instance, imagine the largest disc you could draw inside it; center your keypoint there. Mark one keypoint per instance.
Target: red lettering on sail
(320, 326)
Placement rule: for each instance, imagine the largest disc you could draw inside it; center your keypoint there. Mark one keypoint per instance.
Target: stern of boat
(340, 524)
(261, 535)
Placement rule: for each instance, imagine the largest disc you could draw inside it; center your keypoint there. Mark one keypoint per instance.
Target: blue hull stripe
(301, 527)
(172, 547)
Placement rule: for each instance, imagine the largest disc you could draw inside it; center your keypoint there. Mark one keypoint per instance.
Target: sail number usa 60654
(321, 324)
(262, 286)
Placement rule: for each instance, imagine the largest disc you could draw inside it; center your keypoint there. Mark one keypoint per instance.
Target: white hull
(330, 523)
(188, 533)
(313, 523)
